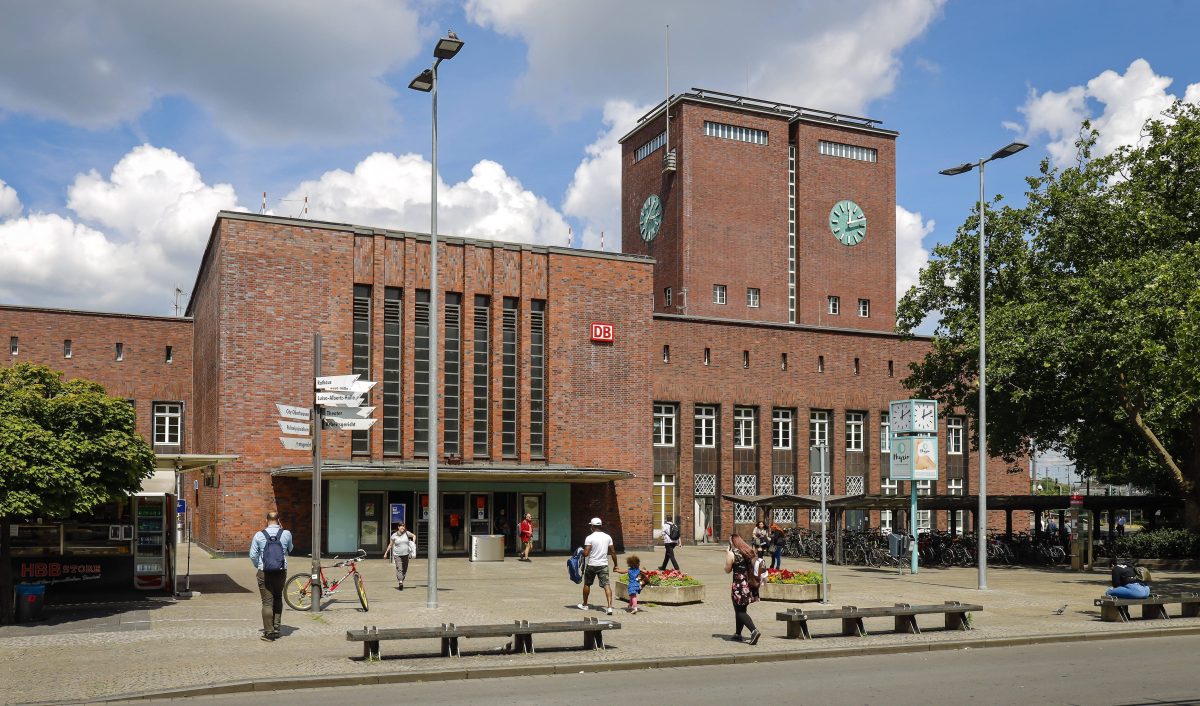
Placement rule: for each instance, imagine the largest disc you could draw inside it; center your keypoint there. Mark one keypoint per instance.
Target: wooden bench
(1116, 610)
(905, 616)
(521, 632)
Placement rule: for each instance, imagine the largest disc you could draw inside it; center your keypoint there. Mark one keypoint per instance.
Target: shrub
(793, 577)
(664, 578)
(1158, 544)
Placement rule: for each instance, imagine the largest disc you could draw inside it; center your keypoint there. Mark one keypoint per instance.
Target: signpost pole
(912, 523)
(316, 481)
(824, 524)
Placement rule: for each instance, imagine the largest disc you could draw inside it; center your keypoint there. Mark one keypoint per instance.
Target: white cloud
(387, 190)
(267, 71)
(10, 205)
(824, 55)
(911, 229)
(1128, 101)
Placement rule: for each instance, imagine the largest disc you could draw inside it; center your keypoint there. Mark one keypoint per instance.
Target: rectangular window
(14, 345)
(856, 369)
(452, 377)
(838, 149)
(924, 487)
(818, 428)
(392, 331)
(835, 305)
(704, 433)
(666, 354)
(745, 359)
(752, 295)
(537, 379)
(792, 233)
(667, 297)
(923, 521)
(864, 308)
(783, 361)
(885, 428)
(954, 429)
(120, 351)
(744, 485)
(783, 485)
(718, 294)
(781, 428)
(360, 441)
(735, 132)
(421, 374)
(508, 380)
(664, 424)
(664, 498)
(170, 355)
(67, 352)
(706, 484)
(885, 521)
(743, 427)
(854, 431)
(954, 486)
(890, 371)
(168, 418)
(820, 364)
(887, 486)
(481, 380)
(648, 149)
(707, 356)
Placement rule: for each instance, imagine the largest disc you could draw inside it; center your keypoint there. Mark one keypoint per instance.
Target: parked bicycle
(298, 591)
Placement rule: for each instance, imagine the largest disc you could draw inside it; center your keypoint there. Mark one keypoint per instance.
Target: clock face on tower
(650, 219)
(848, 222)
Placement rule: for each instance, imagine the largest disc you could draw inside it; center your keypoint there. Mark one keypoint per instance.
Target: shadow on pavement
(216, 583)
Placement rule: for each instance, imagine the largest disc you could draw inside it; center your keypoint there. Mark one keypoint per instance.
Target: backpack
(673, 532)
(574, 566)
(1143, 574)
(274, 557)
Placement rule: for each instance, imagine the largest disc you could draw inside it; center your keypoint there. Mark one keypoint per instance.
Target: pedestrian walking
(670, 537)
(268, 552)
(526, 531)
(761, 537)
(1120, 525)
(597, 548)
(777, 542)
(740, 561)
(402, 546)
(635, 577)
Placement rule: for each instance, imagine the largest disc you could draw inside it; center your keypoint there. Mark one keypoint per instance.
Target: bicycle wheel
(297, 593)
(362, 591)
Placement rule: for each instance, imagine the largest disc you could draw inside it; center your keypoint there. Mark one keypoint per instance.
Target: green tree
(1093, 316)
(65, 447)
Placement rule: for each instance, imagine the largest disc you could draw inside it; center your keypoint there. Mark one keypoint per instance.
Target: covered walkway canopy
(419, 470)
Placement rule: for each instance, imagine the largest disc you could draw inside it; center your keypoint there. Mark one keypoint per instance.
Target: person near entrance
(268, 552)
(670, 536)
(455, 529)
(403, 546)
(526, 531)
(597, 548)
(1120, 525)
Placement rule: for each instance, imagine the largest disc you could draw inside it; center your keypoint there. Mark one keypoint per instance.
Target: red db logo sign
(602, 332)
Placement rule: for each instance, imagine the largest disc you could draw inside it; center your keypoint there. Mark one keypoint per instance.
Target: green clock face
(848, 222)
(651, 218)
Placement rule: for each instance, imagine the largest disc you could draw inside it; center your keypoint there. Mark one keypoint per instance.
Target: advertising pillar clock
(914, 442)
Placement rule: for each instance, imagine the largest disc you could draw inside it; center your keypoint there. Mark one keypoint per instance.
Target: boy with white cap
(597, 548)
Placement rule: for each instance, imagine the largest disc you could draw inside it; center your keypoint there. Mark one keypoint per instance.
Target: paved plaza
(104, 650)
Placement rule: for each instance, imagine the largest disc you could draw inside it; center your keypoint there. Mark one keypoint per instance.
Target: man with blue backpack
(268, 553)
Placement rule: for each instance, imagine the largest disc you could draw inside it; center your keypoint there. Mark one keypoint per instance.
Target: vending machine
(153, 548)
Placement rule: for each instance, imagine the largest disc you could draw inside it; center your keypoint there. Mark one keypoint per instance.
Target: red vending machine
(153, 541)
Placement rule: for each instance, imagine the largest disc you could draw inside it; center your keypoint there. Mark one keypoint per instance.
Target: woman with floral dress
(739, 561)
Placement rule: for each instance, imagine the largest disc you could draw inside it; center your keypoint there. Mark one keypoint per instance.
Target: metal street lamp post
(427, 82)
(981, 513)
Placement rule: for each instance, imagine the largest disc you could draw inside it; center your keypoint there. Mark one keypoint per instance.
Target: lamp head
(960, 169)
(447, 47)
(1009, 150)
(424, 82)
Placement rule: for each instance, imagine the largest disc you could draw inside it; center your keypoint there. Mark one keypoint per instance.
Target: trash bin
(30, 599)
(487, 547)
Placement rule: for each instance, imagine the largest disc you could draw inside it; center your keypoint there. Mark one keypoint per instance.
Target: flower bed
(664, 588)
(791, 586)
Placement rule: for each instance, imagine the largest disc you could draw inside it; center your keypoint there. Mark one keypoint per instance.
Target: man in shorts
(597, 548)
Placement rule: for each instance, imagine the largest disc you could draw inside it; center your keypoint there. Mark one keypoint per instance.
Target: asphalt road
(1135, 671)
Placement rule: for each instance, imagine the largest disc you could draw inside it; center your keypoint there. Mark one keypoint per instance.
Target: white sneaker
(608, 610)
(583, 606)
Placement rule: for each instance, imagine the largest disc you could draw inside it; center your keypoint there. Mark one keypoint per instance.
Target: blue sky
(125, 126)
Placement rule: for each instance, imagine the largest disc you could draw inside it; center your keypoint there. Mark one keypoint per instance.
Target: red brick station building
(752, 313)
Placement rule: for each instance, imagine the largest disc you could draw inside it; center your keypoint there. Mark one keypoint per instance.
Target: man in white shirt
(597, 548)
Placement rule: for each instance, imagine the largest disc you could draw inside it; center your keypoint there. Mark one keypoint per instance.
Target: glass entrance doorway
(704, 520)
(453, 511)
(372, 523)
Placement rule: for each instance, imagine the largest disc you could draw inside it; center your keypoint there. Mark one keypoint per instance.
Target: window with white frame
(885, 521)
(744, 485)
(854, 485)
(14, 345)
(664, 425)
(839, 149)
(818, 428)
(743, 427)
(119, 351)
(718, 294)
(954, 486)
(705, 427)
(667, 296)
(814, 516)
(647, 149)
(706, 484)
(924, 487)
(924, 522)
(168, 418)
(67, 348)
(735, 132)
(854, 431)
(954, 430)
(784, 485)
(887, 486)
(664, 498)
(885, 428)
(835, 304)
(781, 428)
(864, 308)
(752, 295)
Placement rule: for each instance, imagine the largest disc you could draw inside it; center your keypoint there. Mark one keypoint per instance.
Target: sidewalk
(101, 651)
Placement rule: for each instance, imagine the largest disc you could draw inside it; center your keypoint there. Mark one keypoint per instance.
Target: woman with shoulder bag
(740, 561)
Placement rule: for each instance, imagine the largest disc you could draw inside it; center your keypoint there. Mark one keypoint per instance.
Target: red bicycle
(298, 590)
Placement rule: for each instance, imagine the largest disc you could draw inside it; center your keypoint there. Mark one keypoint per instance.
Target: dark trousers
(742, 619)
(777, 558)
(270, 590)
(669, 557)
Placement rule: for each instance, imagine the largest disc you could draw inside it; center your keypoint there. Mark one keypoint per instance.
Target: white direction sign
(348, 412)
(287, 411)
(301, 428)
(339, 399)
(294, 444)
(329, 382)
(351, 424)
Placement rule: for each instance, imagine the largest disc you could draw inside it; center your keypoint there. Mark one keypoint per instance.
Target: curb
(291, 683)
